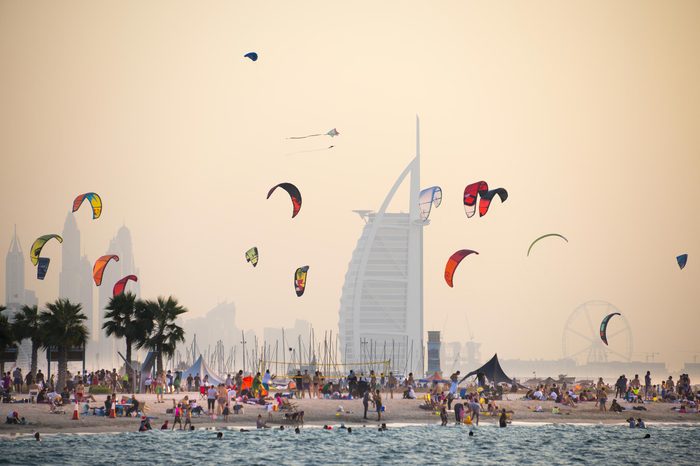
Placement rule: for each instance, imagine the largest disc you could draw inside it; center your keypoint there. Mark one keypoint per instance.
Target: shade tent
(492, 371)
(200, 367)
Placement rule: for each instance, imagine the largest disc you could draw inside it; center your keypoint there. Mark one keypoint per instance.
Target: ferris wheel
(581, 338)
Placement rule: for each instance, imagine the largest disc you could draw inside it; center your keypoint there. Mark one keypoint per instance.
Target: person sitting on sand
(135, 404)
(13, 418)
(145, 424)
(615, 406)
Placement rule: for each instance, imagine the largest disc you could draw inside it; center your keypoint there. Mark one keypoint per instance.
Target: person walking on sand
(378, 404)
(391, 384)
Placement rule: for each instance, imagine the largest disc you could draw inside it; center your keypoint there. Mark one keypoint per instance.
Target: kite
(488, 196)
(251, 255)
(332, 133)
(99, 268)
(545, 236)
(453, 262)
(682, 260)
(428, 198)
(300, 280)
(252, 55)
(121, 284)
(470, 195)
(604, 326)
(39, 244)
(294, 194)
(42, 268)
(95, 202)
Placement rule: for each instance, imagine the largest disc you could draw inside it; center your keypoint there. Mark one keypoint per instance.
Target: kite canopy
(428, 198)
(545, 236)
(604, 326)
(488, 196)
(332, 133)
(452, 263)
(471, 192)
(682, 260)
(300, 280)
(42, 268)
(252, 55)
(492, 371)
(95, 202)
(294, 195)
(38, 245)
(251, 255)
(99, 268)
(121, 284)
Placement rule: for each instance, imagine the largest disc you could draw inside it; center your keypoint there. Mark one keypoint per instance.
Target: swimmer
(342, 426)
(383, 426)
(503, 421)
(219, 435)
(647, 436)
(37, 436)
(349, 430)
(296, 430)
(244, 430)
(281, 427)
(471, 433)
(191, 428)
(640, 424)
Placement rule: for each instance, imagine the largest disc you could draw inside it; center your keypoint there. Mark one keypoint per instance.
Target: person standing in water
(503, 420)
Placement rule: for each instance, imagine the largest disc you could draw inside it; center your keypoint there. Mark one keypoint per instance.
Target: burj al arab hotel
(381, 306)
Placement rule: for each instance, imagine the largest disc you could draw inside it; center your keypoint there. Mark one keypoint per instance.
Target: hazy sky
(587, 112)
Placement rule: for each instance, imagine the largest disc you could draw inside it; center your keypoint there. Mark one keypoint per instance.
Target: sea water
(523, 444)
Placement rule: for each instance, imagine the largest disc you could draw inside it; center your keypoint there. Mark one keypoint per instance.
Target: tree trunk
(159, 360)
(2, 367)
(35, 355)
(62, 367)
(129, 370)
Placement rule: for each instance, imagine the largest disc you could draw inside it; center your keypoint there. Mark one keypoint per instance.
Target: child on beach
(227, 411)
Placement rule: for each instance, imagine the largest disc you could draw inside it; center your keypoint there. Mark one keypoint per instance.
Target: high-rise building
(16, 295)
(381, 307)
(434, 352)
(75, 278)
(122, 246)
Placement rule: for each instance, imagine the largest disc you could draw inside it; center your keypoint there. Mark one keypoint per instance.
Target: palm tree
(122, 322)
(163, 334)
(62, 327)
(27, 325)
(7, 337)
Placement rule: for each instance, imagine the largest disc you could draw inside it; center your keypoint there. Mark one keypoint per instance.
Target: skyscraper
(381, 307)
(16, 295)
(122, 246)
(75, 279)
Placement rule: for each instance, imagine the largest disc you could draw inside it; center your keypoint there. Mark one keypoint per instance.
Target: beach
(325, 411)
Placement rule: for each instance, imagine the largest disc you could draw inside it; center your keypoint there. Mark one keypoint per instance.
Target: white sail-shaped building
(381, 307)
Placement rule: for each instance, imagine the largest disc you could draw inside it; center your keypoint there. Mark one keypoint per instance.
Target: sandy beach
(320, 412)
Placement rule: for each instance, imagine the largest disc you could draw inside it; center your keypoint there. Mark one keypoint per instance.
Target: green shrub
(100, 390)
